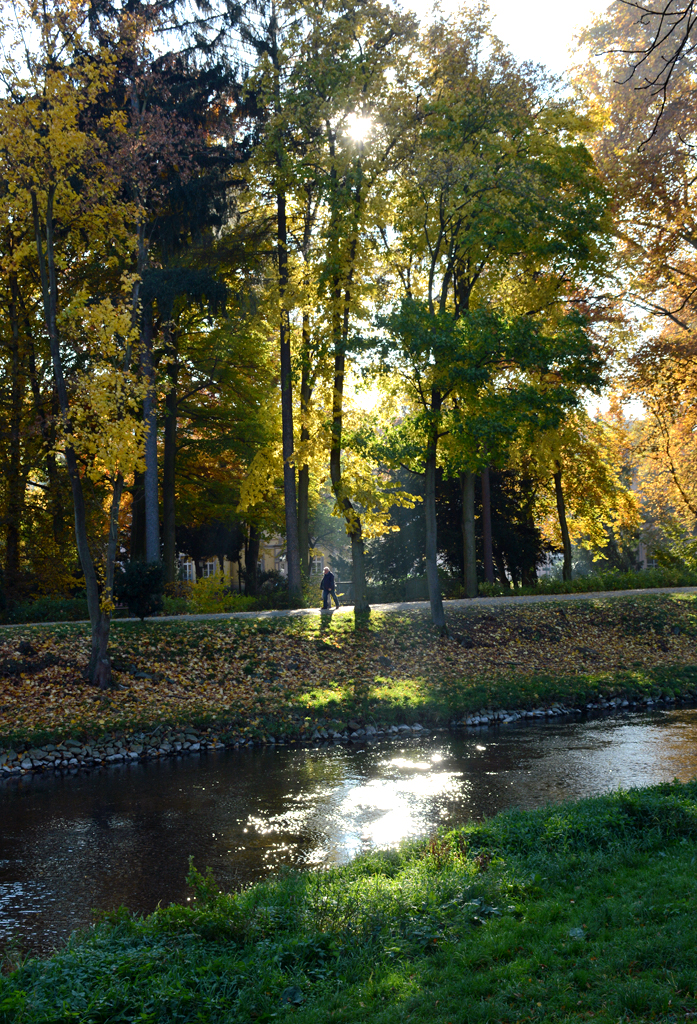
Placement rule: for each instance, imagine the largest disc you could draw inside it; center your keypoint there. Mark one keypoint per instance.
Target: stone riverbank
(72, 755)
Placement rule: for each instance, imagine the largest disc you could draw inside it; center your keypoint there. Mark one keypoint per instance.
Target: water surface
(122, 835)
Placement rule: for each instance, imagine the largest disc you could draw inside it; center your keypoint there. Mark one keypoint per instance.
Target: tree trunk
(169, 522)
(304, 471)
(16, 481)
(100, 663)
(468, 536)
(486, 527)
(48, 436)
(99, 673)
(289, 495)
(501, 569)
(561, 511)
(353, 521)
(434, 594)
(150, 481)
(137, 547)
(251, 559)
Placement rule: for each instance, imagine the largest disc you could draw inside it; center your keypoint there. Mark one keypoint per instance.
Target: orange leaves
(252, 673)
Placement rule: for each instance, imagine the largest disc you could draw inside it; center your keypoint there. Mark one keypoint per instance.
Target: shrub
(141, 585)
(213, 594)
(611, 579)
(48, 609)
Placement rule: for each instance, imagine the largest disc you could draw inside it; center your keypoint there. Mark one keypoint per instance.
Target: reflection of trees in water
(675, 744)
(124, 836)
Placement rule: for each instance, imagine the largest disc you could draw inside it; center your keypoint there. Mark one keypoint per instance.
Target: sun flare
(359, 126)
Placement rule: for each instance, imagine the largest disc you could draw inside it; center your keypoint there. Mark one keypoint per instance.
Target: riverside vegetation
(250, 679)
(576, 912)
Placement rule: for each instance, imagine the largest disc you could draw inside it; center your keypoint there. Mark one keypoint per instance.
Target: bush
(48, 609)
(213, 594)
(612, 579)
(141, 585)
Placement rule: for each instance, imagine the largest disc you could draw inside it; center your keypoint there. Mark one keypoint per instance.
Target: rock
(417, 728)
(385, 662)
(26, 763)
(195, 746)
(370, 730)
(577, 933)
(404, 729)
(353, 725)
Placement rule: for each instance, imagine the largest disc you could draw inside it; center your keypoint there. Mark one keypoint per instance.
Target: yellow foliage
(591, 455)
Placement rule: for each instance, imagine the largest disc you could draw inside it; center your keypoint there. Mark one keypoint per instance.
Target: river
(73, 843)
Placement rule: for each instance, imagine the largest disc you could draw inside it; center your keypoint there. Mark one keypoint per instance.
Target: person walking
(328, 588)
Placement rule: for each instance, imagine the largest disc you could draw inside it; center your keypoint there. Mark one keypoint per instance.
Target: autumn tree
(62, 180)
(493, 187)
(643, 149)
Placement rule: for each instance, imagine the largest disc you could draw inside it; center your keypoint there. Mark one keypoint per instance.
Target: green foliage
(141, 585)
(613, 579)
(48, 609)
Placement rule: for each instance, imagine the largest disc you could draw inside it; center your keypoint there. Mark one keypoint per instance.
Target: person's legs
(325, 599)
(336, 599)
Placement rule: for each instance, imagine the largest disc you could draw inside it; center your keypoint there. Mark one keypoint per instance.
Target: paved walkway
(419, 607)
(423, 607)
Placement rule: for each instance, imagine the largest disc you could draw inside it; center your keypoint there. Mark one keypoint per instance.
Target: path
(421, 607)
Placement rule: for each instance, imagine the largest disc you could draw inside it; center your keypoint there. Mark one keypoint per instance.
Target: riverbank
(189, 684)
(575, 912)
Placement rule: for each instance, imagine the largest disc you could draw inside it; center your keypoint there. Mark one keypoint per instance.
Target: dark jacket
(327, 581)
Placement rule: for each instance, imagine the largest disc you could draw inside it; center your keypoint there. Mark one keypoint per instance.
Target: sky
(537, 30)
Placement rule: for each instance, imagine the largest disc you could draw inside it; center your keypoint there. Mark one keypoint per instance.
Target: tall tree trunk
(561, 511)
(48, 436)
(251, 559)
(150, 479)
(137, 551)
(486, 527)
(16, 481)
(289, 494)
(100, 663)
(169, 521)
(304, 470)
(434, 595)
(353, 520)
(100, 667)
(501, 568)
(469, 545)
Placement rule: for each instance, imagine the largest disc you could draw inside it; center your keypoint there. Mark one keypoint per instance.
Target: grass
(582, 911)
(286, 676)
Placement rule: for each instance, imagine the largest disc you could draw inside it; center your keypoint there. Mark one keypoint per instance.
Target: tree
(493, 189)
(63, 182)
(318, 69)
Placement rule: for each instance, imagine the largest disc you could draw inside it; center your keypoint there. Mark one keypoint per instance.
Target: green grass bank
(582, 911)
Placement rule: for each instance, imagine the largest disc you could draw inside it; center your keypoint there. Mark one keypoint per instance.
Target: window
(187, 570)
(208, 568)
(317, 564)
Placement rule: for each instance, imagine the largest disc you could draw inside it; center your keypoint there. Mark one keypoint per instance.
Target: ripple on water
(123, 835)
